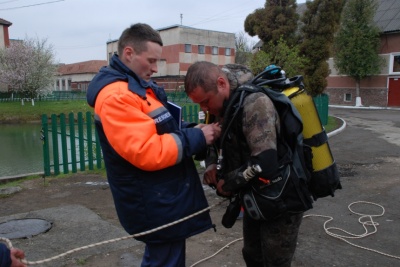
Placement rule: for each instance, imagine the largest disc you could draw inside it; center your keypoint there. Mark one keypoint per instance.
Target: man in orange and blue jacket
(148, 158)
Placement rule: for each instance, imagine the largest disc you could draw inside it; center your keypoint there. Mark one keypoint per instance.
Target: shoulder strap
(235, 102)
(291, 122)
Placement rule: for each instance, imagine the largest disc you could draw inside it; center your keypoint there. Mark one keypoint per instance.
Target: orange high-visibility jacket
(148, 159)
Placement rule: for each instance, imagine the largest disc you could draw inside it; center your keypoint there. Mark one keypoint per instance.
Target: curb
(363, 107)
(7, 179)
(340, 129)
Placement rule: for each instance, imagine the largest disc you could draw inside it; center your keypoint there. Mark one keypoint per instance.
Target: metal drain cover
(24, 228)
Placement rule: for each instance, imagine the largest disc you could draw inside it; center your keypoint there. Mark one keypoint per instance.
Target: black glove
(231, 213)
(239, 179)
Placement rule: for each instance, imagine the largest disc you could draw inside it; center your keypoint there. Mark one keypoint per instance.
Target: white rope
(9, 244)
(365, 220)
(328, 231)
(209, 257)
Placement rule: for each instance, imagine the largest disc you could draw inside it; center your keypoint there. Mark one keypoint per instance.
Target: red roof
(91, 66)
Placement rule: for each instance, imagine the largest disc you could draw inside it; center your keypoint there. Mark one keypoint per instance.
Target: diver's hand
(210, 176)
(221, 191)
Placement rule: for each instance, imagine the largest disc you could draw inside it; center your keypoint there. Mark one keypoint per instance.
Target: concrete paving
(73, 226)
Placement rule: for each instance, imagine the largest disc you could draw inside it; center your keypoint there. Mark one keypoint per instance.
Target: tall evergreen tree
(320, 22)
(276, 26)
(357, 42)
(277, 19)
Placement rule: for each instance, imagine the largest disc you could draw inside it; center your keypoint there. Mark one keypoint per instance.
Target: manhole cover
(23, 228)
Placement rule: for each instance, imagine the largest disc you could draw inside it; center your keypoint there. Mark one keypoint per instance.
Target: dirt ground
(39, 198)
(81, 211)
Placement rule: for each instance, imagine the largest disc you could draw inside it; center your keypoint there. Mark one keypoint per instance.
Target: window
(214, 50)
(227, 51)
(202, 49)
(395, 63)
(347, 97)
(188, 48)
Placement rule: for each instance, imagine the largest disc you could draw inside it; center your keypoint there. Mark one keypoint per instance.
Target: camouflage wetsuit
(271, 243)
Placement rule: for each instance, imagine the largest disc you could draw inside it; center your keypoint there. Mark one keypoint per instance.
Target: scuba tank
(324, 174)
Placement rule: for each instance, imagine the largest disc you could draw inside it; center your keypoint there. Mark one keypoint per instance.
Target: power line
(5, 2)
(218, 17)
(45, 3)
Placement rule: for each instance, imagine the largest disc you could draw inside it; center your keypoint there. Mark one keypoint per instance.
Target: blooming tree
(28, 67)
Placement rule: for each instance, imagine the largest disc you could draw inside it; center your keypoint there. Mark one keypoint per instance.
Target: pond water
(21, 149)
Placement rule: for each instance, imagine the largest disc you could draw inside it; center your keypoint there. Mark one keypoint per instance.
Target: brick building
(4, 42)
(77, 76)
(381, 90)
(184, 46)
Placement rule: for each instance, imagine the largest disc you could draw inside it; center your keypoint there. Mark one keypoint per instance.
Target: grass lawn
(15, 112)
(333, 124)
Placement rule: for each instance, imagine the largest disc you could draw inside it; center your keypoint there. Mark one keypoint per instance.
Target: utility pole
(181, 18)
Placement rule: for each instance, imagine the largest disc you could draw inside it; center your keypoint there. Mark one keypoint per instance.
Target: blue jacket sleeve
(5, 259)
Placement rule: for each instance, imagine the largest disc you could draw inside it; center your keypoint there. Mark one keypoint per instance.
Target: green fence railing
(322, 104)
(71, 143)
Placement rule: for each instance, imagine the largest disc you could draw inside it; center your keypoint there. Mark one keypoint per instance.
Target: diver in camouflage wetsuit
(252, 137)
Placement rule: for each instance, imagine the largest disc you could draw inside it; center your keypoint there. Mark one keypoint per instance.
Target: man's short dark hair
(202, 74)
(137, 35)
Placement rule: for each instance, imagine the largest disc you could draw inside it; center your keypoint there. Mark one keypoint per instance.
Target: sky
(78, 30)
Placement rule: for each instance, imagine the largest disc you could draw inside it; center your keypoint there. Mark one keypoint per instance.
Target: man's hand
(221, 191)
(211, 132)
(16, 256)
(210, 176)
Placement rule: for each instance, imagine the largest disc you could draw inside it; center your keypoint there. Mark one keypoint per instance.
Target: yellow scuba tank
(325, 175)
(312, 127)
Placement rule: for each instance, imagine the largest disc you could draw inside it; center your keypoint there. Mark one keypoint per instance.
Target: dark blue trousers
(165, 254)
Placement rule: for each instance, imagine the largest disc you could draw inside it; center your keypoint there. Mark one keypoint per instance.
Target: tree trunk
(358, 98)
(357, 88)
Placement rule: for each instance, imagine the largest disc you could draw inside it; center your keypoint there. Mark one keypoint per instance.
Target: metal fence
(71, 143)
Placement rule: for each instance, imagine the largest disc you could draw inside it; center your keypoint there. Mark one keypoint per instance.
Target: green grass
(14, 112)
(101, 172)
(81, 261)
(333, 124)
(17, 182)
